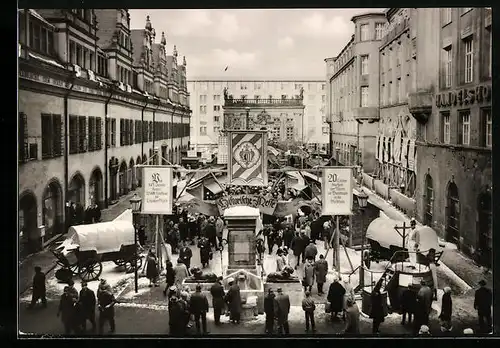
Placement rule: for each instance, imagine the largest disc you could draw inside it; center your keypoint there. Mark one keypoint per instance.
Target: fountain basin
(292, 287)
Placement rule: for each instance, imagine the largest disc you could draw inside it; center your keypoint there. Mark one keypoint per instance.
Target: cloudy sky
(271, 43)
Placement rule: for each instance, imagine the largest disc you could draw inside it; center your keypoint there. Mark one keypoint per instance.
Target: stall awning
(213, 187)
(299, 187)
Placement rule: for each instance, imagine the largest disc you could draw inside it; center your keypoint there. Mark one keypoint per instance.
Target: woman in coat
(169, 277)
(335, 296)
(377, 312)
(352, 317)
(308, 280)
(349, 292)
(321, 270)
(233, 300)
(446, 309)
(205, 251)
(152, 269)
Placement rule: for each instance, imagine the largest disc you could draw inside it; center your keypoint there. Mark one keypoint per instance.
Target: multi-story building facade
(452, 104)
(91, 107)
(353, 94)
(395, 145)
(207, 103)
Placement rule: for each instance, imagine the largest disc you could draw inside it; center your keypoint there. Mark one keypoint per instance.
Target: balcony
(420, 105)
(395, 32)
(229, 102)
(370, 114)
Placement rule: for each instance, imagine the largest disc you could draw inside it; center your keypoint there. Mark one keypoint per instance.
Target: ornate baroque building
(95, 99)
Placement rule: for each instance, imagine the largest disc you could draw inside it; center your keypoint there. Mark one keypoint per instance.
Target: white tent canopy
(103, 237)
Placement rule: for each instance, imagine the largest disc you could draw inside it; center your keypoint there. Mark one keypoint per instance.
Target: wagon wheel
(129, 264)
(119, 262)
(75, 269)
(91, 270)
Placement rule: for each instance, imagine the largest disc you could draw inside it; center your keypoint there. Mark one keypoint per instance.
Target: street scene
(219, 201)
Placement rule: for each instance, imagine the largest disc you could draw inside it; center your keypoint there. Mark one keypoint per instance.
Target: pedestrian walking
(211, 232)
(377, 311)
(217, 292)
(424, 305)
(349, 293)
(282, 310)
(219, 230)
(185, 315)
(183, 230)
(103, 286)
(308, 280)
(169, 277)
(152, 269)
(185, 254)
(308, 306)
(39, 289)
(67, 312)
(482, 303)
(335, 297)
(298, 248)
(106, 301)
(408, 304)
(233, 300)
(181, 272)
(87, 306)
(321, 270)
(352, 317)
(288, 235)
(175, 317)
(205, 251)
(72, 291)
(270, 310)
(446, 310)
(198, 306)
(311, 251)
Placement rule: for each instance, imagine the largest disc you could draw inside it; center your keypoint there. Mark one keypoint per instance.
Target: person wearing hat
(39, 290)
(233, 300)
(217, 292)
(413, 238)
(352, 317)
(282, 308)
(198, 306)
(308, 280)
(335, 296)
(106, 302)
(72, 291)
(185, 254)
(424, 331)
(308, 306)
(205, 251)
(321, 270)
(446, 310)
(468, 331)
(103, 286)
(269, 310)
(311, 251)
(423, 306)
(176, 322)
(211, 232)
(67, 312)
(482, 303)
(87, 305)
(408, 304)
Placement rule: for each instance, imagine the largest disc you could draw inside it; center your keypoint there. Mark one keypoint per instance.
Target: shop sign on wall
(337, 191)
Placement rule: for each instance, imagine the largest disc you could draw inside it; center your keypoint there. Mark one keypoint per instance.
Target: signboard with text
(336, 191)
(265, 205)
(157, 190)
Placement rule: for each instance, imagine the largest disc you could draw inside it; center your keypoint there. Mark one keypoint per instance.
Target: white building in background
(207, 102)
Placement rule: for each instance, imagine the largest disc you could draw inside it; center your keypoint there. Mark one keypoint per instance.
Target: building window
(289, 133)
(203, 99)
(51, 136)
(364, 32)
(364, 97)
(323, 86)
(243, 86)
(379, 30)
(448, 66)
(203, 109)
(203, 130)
(102, 65)
(323, 99)
(217, 99)
(464, 127)
(111, 136)
(216, 107)
(445, 118)
(216, 130)
(72, 52)
(298, 86)
(364, 65)
(487, 127)
(469, 61)
(257, 85)
(446, 15)
(389, 94)
(398, 90)
(77, 134)
(216, 118)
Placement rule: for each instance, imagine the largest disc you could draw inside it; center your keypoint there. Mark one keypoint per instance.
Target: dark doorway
(77, 189)
(132, 180)
(428, 201)
(122, 178)
(484, 229)
(96, 187)
(52, 210)
(28, 236)
(453, 218)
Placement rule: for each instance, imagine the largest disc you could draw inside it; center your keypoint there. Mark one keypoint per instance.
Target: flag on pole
(226, 68)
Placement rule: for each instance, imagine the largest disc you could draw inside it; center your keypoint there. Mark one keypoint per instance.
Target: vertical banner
(247, 161)
(411, 155)
(336, 191)
(157, 190)
(222, 150)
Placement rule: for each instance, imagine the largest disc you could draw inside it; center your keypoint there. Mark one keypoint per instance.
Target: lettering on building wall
(465, 96)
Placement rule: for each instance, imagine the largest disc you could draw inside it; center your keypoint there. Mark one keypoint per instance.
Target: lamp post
(362, 202)
(248, 117)
(135, 203)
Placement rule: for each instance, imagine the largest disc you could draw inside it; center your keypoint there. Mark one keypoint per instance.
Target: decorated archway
(52, 203)
(76, 189)
(96, 187)
(122, 178)
(28, 236)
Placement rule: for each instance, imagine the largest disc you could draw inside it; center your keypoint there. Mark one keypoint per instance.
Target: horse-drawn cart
(87, 246)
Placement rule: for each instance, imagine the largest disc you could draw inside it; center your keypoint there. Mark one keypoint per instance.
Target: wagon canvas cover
(382, 231)
(105, 237)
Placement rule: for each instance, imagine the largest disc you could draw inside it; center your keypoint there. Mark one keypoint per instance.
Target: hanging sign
(264, 204)
(157, 190)
(336, 191)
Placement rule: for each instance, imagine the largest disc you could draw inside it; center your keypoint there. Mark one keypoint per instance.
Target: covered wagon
(87, 246)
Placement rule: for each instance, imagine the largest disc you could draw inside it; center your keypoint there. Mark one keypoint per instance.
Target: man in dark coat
(316, 227)
(298, 248)
(335, 296)
(482, 303)
(185, 254)
(446, 310)
(97, 213)
(408, 304)
(377, 310)
(67, 312)
(39, 289)
(205, 251)
(233, 300)
(282, 306)
(288, 236)
(141, 235)
(269, 310)
(321, 270)
(183, 229)
(311, 251)
(79, 214)
(87, 306)
(72, 291)
(270, 233)
(217, 292)
(198, 306)
(308, 306)
(89, 215)
(424, 305)
(106, 301)
(175, 316)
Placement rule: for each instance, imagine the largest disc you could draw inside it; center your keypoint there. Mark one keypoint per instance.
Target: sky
(268, 43)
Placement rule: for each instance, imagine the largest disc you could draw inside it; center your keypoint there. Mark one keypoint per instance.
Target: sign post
(336, 199)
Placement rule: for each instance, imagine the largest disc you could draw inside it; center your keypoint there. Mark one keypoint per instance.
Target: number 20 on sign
(337, 191)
